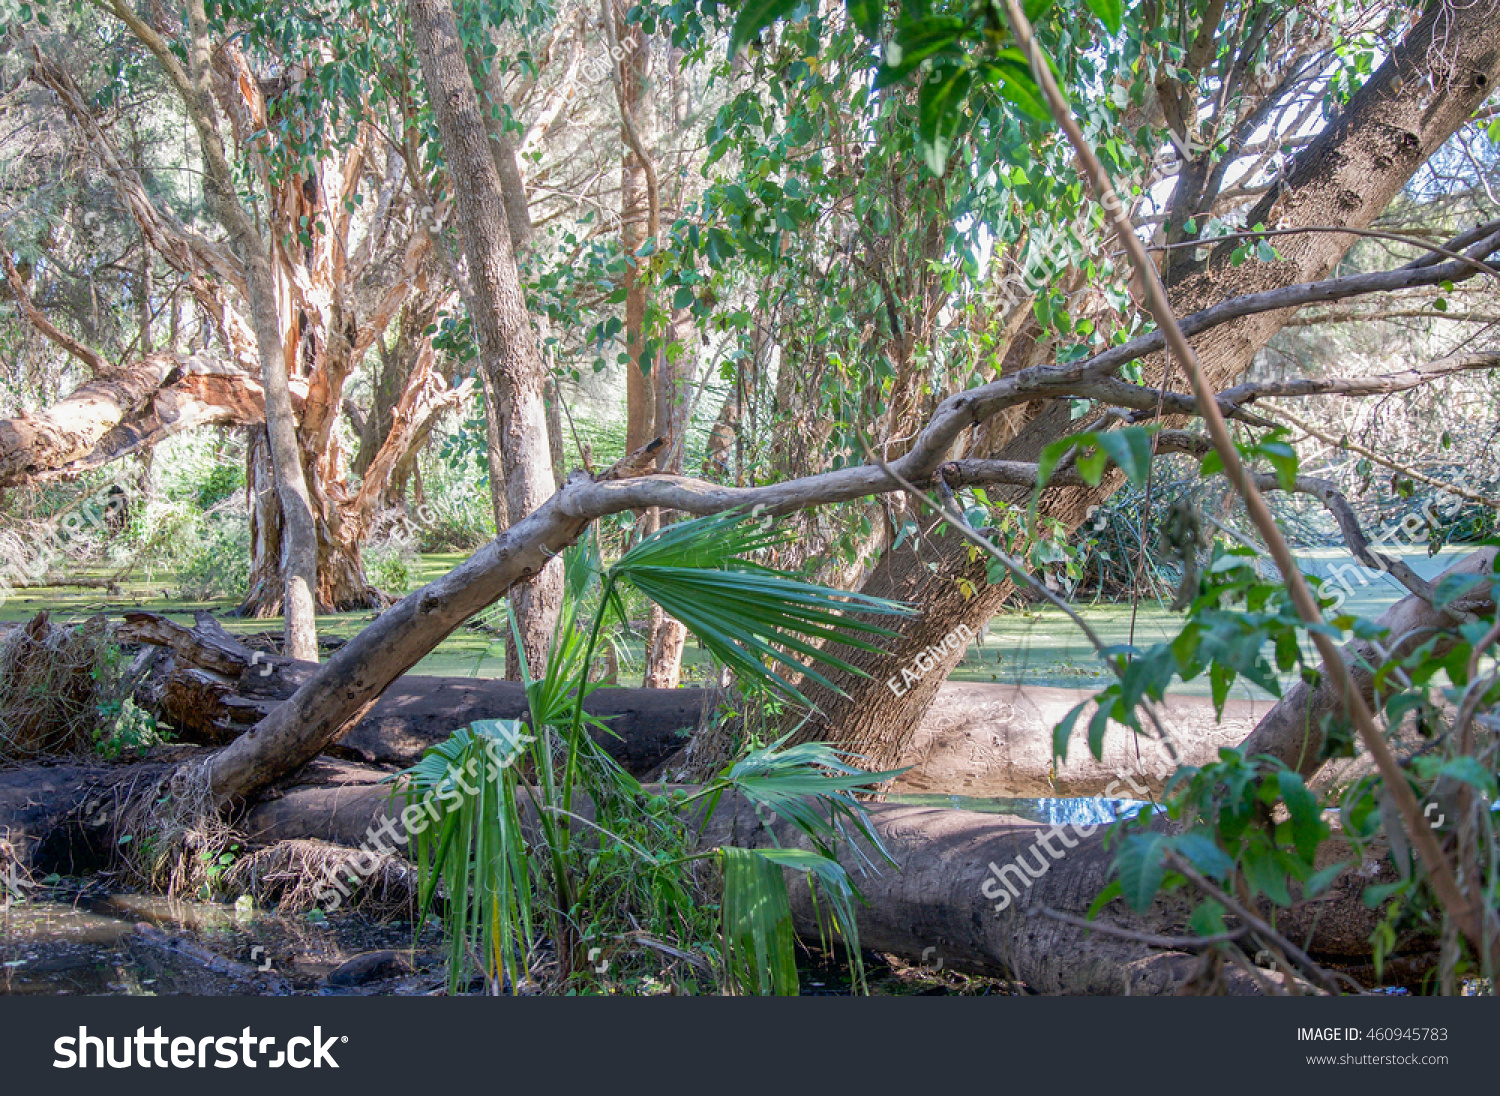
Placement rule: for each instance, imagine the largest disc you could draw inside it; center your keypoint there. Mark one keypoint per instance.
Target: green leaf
(1064, 731)
(1319, 882)
(1110, 12)
(1106, 896)
(940, 114)
(1098, 724)
(1308, 827)
(1130, 449)
(1091, 465)
(754, 17)
(1208, 919)
(1010, 74)
(759, 939)
(1265, 874)
(1199, 849)
(1220, 678)
(1470, 771)
(1453, 587)
(1141, 870)
(812, 786)
(1053, 454)
(747, 615)
(865, 14)
(915, 42)
(1283, 460)
(1377, 894)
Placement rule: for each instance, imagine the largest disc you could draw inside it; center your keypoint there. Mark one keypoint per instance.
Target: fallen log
(977, 739)
(952, 865)
(934, 904)
(992, 741)
(938, 901)
(211, 688)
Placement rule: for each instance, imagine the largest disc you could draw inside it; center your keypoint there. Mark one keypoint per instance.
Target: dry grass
(52, 683)
(291, 874)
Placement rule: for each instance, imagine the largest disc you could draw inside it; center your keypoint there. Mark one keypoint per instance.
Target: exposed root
(170, 837)
(15, 879)
(297, 875)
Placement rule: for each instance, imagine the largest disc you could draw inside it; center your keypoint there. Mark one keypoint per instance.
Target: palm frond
(477, 850)
(757, 917)
(812, 786)
(745, 614)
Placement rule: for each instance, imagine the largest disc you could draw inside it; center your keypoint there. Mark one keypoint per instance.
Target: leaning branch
(90, 358)
(1149, 402)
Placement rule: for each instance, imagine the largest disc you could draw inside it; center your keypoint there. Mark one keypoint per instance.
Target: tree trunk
(506, 337)
(1347, 176)
(675, 376)
(932, 906)
(494, 460)
(342, 586)
(638, 203)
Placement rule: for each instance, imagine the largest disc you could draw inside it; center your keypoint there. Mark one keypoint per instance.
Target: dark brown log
(933, 904)
(977, 740)
(211, 688)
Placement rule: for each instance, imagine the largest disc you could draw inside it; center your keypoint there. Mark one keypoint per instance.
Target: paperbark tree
(317, 301)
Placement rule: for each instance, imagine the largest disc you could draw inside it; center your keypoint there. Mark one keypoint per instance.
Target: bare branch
(89, 357)
(1148, 402)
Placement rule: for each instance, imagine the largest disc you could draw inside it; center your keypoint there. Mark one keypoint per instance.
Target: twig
(1309, 967)
(1371, 233)
(1172, 943)
(1387, 462)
